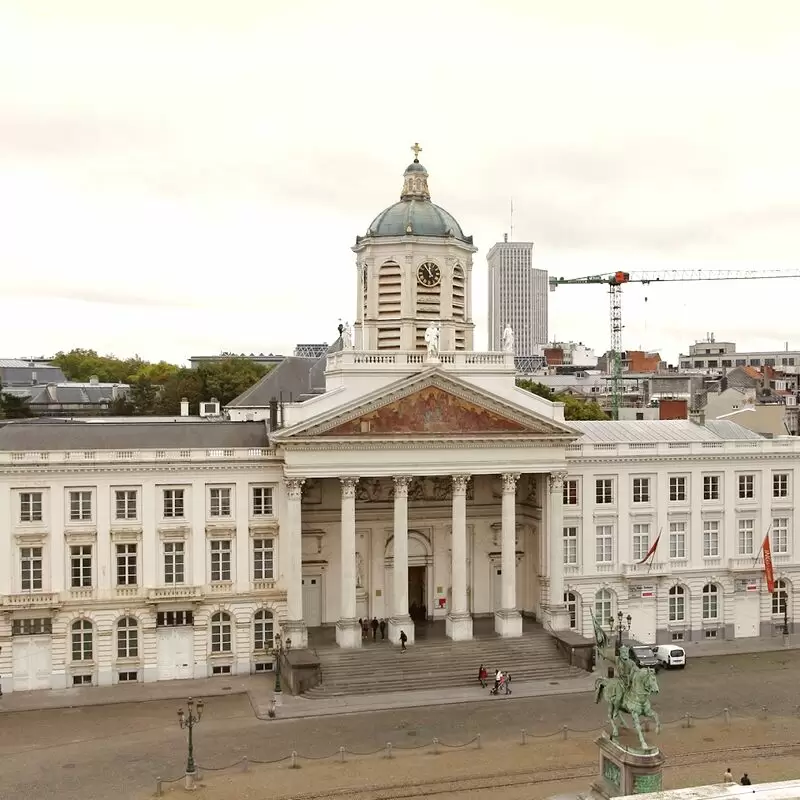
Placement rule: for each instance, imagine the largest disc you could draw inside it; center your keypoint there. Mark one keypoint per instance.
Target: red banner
(769, 574)
(652, 551)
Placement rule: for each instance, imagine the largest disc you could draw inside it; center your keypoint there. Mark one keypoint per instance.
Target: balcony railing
(653, 569)
(32, 600)
(263, 586)
(173, 593)
(744, 564)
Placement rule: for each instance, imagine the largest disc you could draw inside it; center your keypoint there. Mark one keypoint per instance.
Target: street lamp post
(188, 720)
(623, 624)
(278, 653)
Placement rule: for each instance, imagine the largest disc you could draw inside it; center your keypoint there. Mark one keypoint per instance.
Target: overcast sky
(181, 178)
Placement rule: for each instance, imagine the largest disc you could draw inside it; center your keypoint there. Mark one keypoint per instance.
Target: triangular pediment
(436, 405)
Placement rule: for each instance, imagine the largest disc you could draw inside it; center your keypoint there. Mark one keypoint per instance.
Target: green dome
(416, 217)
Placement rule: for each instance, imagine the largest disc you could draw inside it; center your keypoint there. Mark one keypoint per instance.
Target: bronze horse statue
(634, 701)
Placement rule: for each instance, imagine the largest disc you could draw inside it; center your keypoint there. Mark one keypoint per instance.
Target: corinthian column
(400, 619)
(348, 632)
(508, 621)
(459, 620)
(557, 610)
(295, 627)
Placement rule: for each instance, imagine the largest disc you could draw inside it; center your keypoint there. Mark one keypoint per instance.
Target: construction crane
(615, 282)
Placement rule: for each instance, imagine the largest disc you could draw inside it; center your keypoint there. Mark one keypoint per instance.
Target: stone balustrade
(651, 450)
(72, 457)
(403, 359)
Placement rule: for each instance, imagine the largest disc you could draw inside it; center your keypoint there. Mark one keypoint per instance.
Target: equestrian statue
(629, 691)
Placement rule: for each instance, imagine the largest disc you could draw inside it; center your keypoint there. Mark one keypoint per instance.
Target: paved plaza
(100, 751)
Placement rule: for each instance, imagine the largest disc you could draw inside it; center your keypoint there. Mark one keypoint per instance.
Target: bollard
(159, 790)
(727, 713)
(245, 764)
(341, 754)
(524, 736)
(293, 765)
(435, 746)
(688, 719)
(388, 749)
(478, 741)
(564, 732)
(188, 781)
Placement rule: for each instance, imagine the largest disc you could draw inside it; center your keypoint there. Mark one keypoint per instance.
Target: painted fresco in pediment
(430, 410)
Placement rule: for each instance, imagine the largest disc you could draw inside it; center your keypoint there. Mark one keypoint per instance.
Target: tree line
(575, 408)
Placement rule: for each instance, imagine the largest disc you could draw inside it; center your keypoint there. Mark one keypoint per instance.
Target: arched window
(263, 630)
(710, 602)
(603, 606)
(221, 632)
(780, 598)
(677, 604)
(82, 640)
(128, 638)
(571, 601)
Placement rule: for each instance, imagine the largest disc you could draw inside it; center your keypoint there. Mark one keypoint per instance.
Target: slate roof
(293, 380)
(672, 430)
(75, 435)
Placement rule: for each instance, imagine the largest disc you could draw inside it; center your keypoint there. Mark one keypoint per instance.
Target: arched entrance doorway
(420, 575)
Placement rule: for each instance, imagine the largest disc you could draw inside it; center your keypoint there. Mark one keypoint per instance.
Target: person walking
(382, 626)
(374, 626)
(482, 676)
(728, 776)
(508, 683)
(403, 640)
(745, 781)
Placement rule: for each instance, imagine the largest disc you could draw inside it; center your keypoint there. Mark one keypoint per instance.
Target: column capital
(556, 480)
(294, 487)
(401, 483)
(460, 483)
(510, 482)
(349, 486)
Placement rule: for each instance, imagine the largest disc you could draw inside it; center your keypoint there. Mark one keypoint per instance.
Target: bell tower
(413, 269)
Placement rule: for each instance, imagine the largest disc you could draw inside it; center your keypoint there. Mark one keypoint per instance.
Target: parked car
(670, 655)
(643, 656)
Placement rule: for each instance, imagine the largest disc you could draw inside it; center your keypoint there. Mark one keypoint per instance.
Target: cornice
(136, 469)
(406, 443)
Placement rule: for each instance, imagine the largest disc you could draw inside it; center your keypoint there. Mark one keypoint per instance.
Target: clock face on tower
(429, 275)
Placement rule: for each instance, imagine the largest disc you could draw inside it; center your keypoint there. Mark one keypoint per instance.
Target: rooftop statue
(628, 692)
(432, 340)
(508, 339)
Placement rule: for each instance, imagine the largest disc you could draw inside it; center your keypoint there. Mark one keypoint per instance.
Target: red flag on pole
(652, 551)
(769, 573)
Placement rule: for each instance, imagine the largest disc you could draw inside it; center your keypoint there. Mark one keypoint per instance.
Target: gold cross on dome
(416, 150)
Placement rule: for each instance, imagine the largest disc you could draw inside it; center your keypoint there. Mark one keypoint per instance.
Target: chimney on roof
(273, 414)
(698, 416)
(184, 407)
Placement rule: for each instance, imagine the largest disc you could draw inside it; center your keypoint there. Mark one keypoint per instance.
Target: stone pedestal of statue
(625, 770)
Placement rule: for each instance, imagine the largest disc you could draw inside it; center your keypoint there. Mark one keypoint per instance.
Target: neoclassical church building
(403, 476)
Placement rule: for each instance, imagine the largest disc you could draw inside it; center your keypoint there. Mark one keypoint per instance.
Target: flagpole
(761, 549)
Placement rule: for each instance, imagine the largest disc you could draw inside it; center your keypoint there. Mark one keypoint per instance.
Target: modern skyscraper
(517, 297)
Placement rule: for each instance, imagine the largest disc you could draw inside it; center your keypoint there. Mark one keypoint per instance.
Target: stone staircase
(437, 663)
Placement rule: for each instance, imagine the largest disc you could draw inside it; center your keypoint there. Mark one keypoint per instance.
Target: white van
(670, 655)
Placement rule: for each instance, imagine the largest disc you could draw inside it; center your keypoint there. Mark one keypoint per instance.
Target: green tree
(143, 397)
(184, 383)
(227, 379)
(575, 408)
(13, 407)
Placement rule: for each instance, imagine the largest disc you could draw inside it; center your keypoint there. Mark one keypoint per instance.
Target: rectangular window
(127, 564)
(746, 534)
(220, 560)
(80, 506)
(677, 490)
(174, 619)
(604, 491)
(125, 504)
(641, 540)
(31, 627)
(219, 502)
(710, 487)
(710, 538)
(779, 535)
(80, 561)
(174, 562)
(641, 490)
(604, 541)
(30, 507)
(780, 485)
(128, 676)
(571, 492)
(30, 569)
(677, 540)
(263, 560)
(173, 503)
(570, 537)
(747, 487)
(262, 501)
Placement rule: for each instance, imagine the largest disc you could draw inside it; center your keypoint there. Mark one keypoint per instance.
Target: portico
(450, 468)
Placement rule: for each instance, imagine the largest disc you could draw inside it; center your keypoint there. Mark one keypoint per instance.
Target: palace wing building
(409, 480)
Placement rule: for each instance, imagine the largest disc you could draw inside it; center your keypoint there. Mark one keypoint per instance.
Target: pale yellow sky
(185, 177)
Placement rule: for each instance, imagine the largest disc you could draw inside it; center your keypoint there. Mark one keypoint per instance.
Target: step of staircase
(379, 667)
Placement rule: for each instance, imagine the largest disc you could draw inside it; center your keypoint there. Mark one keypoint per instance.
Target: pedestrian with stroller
(403, 640)
(482, 676)
(498, 679)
